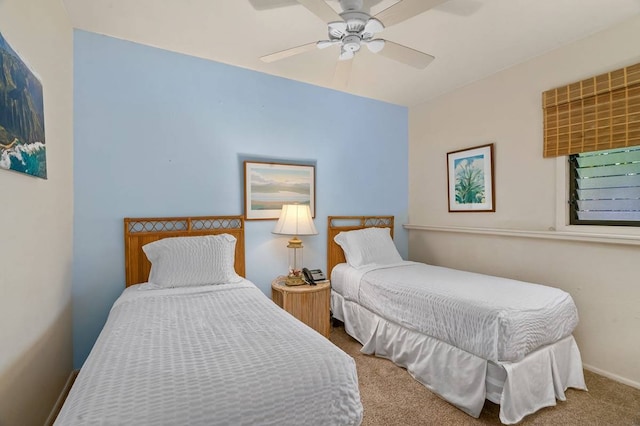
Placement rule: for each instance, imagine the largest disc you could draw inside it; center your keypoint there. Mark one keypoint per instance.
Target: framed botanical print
(470, 180)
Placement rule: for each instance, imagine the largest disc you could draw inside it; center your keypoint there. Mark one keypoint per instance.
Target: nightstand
(309, 303)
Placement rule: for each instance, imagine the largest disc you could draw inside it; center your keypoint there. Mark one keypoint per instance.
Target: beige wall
(506, 109)
(36, 227)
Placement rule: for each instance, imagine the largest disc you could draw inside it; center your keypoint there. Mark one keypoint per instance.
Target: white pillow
(186, 261)
(369, 246)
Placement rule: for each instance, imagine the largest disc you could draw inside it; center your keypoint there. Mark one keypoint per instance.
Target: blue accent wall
(163, 134)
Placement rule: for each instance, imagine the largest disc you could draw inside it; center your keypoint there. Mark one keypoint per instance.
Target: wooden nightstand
(310, 304)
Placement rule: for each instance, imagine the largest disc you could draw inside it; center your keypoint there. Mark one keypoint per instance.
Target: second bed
(467, 337)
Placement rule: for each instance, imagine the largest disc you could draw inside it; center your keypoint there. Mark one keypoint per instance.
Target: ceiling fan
(355, 27)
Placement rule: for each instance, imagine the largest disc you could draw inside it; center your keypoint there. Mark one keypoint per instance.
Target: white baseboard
(63, 395)
(612, 376)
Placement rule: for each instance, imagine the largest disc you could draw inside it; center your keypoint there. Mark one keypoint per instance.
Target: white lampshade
(295, 219)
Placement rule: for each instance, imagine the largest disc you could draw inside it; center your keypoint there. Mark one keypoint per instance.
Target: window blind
(606, 187)
(602, 112)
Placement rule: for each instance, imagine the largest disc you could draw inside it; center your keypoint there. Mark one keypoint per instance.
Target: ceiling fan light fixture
(356, 21)
(373, 26)
(345, 55)
(376, 45)
(337, 29)
(351, 43)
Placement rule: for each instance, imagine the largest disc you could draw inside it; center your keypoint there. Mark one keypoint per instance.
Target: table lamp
(295, 219)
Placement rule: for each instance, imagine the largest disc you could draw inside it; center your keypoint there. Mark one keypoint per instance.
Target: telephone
(313, 276)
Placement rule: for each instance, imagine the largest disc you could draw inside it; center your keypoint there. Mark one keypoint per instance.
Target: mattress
(497, 319)
(211, 355)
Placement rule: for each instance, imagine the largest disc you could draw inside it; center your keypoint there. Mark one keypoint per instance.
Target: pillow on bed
(369, 246)
(186, 261)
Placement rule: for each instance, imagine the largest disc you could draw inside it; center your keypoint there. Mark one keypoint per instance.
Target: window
(601, 112)
(605, 187)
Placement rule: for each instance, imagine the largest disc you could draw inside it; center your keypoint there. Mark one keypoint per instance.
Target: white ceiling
(470, 39)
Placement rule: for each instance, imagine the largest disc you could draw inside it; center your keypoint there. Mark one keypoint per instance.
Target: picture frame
(470, 179)
(22, 129)
(268, 186)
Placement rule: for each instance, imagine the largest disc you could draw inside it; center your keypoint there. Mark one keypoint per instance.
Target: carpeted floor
(390, 396)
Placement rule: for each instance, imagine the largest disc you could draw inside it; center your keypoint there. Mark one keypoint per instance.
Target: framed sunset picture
(470, 180)
(269, 186)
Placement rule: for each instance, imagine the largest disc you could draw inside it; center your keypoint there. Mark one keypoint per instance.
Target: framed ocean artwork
(22, 142)
(268, 186)
(470, 180)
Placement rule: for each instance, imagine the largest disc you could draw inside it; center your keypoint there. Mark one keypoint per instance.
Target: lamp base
(293, 280)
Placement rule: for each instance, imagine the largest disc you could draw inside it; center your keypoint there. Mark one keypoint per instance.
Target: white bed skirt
(464, 379)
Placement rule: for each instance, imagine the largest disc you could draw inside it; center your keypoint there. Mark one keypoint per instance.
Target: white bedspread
(214, 355)
(462, 378)
(497, 319)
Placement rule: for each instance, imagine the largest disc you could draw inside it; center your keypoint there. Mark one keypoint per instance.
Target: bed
(467, 337)
(180, 350)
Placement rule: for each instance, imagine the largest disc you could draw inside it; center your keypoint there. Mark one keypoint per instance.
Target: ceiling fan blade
(321, 9)
(342, 74)
(323, 44)
(288, 52)
(270, 4)
(404, 10)
(405, 54)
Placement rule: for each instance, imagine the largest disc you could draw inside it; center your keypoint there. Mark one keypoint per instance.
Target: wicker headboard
(140, 231)
(337, 224)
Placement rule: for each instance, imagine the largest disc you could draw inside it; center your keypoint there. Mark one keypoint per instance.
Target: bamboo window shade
(602, 112)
